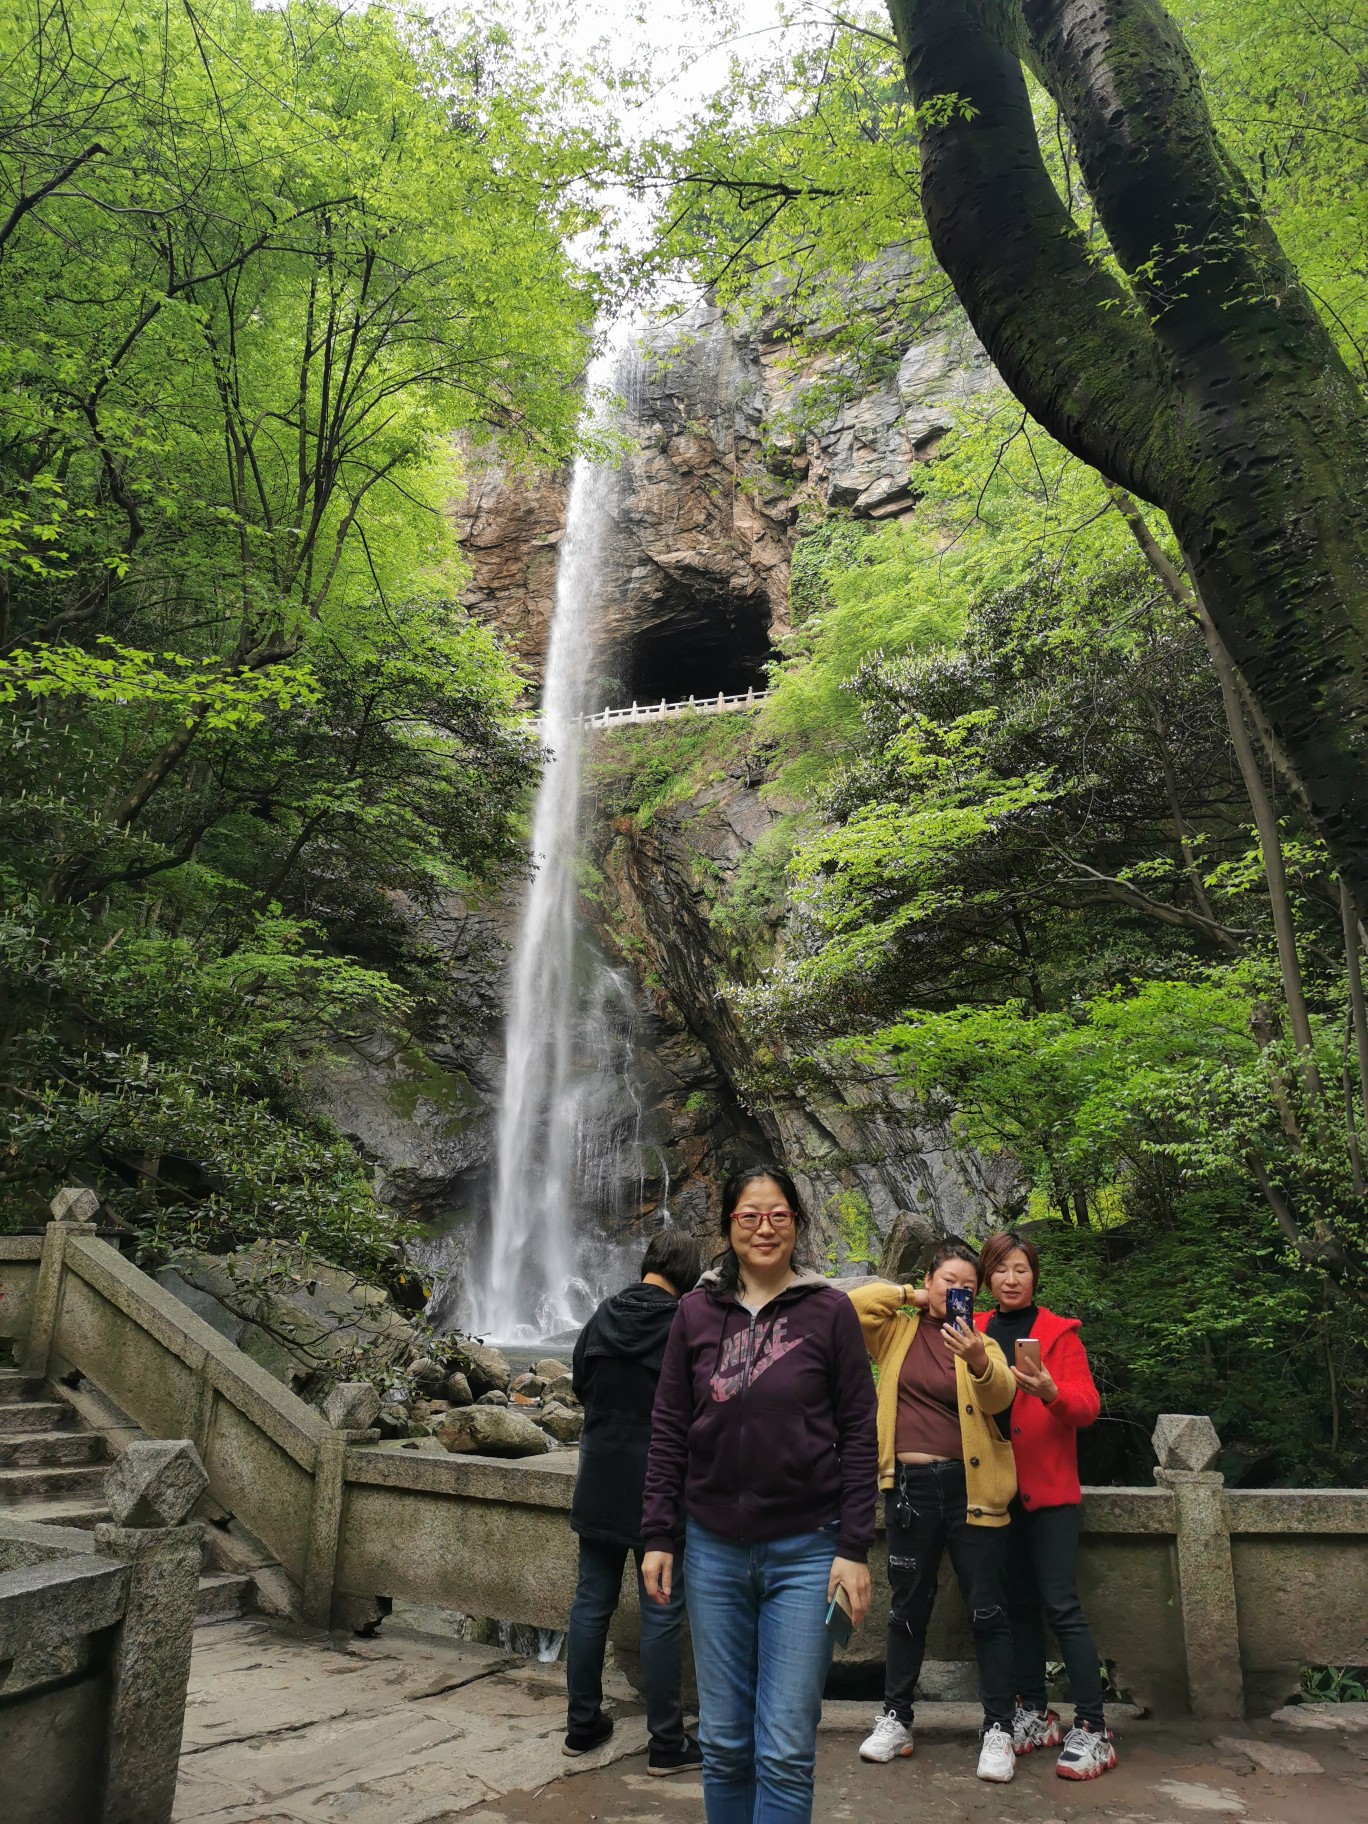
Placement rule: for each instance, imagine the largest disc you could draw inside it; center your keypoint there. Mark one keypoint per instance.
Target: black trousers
(926, 1514)
(1042, 1585)
(662, 1643)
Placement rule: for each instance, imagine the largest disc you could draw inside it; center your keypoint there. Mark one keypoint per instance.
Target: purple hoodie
(764, 1426)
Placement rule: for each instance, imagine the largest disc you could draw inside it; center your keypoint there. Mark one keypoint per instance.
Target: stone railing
(1208, 1599)
(95, 1638)
(720, 705)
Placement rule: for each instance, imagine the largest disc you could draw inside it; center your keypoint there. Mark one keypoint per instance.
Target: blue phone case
(959, 1305)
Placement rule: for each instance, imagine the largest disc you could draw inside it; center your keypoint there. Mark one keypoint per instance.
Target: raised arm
(877, 1306)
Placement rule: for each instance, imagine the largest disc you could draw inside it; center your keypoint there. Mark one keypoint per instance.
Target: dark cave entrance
(695, 645)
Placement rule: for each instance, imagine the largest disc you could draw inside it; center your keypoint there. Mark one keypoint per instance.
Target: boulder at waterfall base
(562, 1389)
(565, 1424)
(550, 1369)
(484, 1366)
(491, 1431)
(456, 1390)
(493, 1398)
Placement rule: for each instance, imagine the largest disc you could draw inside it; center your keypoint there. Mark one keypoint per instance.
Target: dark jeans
(662, 1635)
(926, 1514)
(1042, 1575)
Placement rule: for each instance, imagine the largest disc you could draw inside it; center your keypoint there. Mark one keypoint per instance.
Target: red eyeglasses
(751, 1219)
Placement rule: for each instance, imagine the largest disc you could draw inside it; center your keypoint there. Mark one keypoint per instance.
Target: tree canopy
(260, 269)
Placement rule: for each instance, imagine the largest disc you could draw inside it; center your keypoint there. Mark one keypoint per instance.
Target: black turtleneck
(1006, 1326)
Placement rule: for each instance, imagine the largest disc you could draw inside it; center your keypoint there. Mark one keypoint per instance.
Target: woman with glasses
(762, 1471)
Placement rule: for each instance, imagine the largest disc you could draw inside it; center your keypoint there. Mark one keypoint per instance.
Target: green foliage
(1334, 1684)
(857, 1240)
(640, 771)
(266, 273)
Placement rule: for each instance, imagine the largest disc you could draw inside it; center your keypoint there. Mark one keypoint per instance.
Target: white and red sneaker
(1032, 1730)
(1086, 1755)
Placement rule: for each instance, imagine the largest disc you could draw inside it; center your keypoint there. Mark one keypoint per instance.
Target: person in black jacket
(615, 1369)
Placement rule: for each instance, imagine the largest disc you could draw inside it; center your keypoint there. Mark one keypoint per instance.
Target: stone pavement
(284, 1727)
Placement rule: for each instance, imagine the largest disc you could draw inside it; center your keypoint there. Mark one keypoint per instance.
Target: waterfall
(564, 1046)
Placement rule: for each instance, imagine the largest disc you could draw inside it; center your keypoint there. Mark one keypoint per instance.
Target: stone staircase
(52, 1470)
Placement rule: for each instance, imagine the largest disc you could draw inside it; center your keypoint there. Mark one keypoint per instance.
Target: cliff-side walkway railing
(1208, 1598)
(741, 703)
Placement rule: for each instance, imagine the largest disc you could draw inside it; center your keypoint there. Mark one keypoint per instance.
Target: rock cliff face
(730, 436)
(861, 1166)
(733, 441)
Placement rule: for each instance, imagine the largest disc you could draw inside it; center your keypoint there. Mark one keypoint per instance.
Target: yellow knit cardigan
(989, 1466)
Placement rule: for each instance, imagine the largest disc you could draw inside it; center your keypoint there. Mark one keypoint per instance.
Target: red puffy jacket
(1043, 1439)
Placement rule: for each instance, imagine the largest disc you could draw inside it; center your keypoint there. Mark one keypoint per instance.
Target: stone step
(85, 1514)
(50, 1448)
(223, 1595)
(16, 1386)
(58, 1482)
(34, 1415)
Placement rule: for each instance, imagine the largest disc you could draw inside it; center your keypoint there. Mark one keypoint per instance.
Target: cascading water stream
(530, 1283)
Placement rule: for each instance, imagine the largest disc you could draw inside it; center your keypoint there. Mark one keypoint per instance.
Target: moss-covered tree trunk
(1200, 378)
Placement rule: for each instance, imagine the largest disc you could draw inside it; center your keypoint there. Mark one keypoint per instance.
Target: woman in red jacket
(1052, 1405)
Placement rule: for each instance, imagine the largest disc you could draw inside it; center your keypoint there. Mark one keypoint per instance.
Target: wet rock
(493, 1398)
(484, 1366)
(1350, 1717)
(1193, 1795)
(1270, 1757)
(491, 1431)
(525, 1387)
(564, 1425)
(549, 1369)
(561, 1389)
(456, 1389)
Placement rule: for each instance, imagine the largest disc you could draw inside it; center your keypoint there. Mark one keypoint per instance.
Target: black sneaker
(664, 1761)
(593, 1737)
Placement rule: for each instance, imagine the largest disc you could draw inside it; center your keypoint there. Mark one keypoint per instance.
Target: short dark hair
(728, 1266)
(995, 1252)
(955, 1249)
(676, 1256)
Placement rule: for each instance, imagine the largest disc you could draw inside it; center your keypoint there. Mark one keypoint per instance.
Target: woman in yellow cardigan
(948, 1477)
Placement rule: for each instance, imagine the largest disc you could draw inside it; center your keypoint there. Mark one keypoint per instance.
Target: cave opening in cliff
(694, 644)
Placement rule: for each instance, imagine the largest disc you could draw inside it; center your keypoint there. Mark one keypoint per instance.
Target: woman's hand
(854, 1580)
(657, 1570)
(918, 1297)
(1036, 1381)
(964, 1341)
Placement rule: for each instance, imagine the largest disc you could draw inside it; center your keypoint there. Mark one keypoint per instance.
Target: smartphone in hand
(1028, 1354)
(959, 1305)
(839, 1619)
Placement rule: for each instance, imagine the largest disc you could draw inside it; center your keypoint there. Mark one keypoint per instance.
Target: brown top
(928, 1402)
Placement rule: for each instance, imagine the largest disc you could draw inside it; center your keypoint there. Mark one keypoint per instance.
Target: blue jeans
(761, 1652)
(662, 1638)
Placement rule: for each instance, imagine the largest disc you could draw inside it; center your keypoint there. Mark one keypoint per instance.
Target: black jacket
(615, 1368)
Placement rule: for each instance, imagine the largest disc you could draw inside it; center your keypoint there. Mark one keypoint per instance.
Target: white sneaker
(1032, 1729)
(887, 1740)
(997, 1756)
(1087, 1754)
